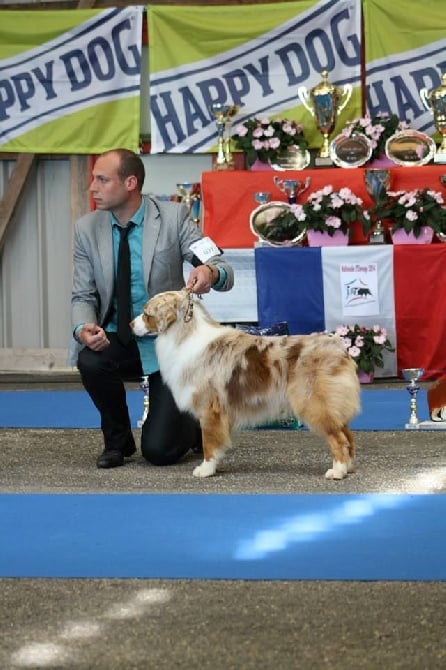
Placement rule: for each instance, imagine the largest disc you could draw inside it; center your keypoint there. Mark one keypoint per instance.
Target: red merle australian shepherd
(230, 379)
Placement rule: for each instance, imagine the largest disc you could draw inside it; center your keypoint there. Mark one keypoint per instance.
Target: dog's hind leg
(340, 448)
(216, 437)
(351, 449)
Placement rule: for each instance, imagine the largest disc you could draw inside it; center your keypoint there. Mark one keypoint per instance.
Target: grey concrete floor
(140, 624)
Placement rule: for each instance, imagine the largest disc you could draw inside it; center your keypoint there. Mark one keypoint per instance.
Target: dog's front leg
(216, 436)
(206, 469)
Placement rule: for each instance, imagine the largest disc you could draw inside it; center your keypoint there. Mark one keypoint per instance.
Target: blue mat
(381, 410)
(200, 536)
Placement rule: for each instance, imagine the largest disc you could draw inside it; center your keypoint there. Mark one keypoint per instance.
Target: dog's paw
(338, 471)
(351, 466)
(206, 469)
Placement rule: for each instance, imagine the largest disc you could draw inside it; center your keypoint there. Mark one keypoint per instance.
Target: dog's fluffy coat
(228, 378)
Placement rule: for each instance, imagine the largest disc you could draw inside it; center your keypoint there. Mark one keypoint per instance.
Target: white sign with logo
(359, 289)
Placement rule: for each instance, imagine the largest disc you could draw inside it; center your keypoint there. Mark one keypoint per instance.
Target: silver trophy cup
(377, 183)
(261, 197)
(291, 187)
(413, 375)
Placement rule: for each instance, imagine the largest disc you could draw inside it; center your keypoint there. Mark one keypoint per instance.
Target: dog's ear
(164, 314)
(165, 308)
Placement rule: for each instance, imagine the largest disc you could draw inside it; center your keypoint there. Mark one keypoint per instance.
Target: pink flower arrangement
(365, 345)
(377, 129)
(327, 210)
(264, 139)
(412, 210)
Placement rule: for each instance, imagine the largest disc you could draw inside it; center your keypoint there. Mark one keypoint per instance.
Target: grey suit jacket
(167, 235)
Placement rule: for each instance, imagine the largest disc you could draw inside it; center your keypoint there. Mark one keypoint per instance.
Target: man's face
(108, 191)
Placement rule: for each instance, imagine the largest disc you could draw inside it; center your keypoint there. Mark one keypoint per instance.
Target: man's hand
(202, 278)
(94, 337)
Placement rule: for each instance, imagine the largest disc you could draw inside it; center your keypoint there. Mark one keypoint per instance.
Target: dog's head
(162, 311)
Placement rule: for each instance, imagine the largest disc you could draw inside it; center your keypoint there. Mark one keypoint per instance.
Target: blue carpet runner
(381, 410)
(206, 536)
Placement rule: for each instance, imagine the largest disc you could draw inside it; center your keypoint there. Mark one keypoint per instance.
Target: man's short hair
(130, 164)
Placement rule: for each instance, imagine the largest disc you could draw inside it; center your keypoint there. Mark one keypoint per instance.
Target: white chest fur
(178, 364)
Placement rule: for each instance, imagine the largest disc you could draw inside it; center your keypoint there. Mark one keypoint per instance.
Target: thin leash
(190, 302)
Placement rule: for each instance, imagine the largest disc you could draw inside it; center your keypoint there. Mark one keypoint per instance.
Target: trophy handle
(279, 183)
(305, 185)
(425, 99)
(347, 94)
(303, 97)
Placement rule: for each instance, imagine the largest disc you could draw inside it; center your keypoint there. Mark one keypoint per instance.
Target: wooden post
(14, 188)
(79, 183)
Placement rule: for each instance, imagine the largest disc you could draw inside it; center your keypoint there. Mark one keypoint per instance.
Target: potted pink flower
(332, 214)
(365, 345)
(377, 129)
(266, 139)
(421, 213)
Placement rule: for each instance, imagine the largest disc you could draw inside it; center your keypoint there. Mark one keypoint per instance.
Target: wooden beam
(14, 188)
(86, 4)
(79, 184)
(29, 361)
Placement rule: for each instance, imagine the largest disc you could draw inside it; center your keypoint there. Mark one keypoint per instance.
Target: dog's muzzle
(139, 327)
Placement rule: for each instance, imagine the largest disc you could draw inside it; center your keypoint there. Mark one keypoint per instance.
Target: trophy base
(323, 161)
(377, 237)
(440, 158)
(223, 166)
(218, 164)
(412, 426)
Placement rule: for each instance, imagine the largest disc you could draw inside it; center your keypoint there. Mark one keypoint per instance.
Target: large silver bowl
(260, 216)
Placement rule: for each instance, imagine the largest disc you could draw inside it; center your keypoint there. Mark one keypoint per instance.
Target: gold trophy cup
(324, 102)
(223, 115)
(190, 195)
(435, 102)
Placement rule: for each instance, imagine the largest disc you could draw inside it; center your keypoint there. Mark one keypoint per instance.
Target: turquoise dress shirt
(139, 297)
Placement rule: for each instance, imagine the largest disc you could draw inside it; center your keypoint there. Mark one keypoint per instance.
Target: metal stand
(144, 385)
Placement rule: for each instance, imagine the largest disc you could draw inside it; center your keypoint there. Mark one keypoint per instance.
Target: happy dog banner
(254, 56)
(407, 53)
(70, 80)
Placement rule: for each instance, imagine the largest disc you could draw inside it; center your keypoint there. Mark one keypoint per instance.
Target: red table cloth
(228, 195)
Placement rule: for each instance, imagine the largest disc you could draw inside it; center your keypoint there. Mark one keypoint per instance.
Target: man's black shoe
(129, 449)
(111, 458)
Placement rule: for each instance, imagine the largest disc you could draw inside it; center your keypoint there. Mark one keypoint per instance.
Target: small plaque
(351, 152)
(440, 158)
(323, 161)
(293, 159)
(410, 148)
